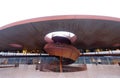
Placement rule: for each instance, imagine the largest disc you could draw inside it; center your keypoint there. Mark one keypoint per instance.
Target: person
(99, 61)
(93, 61)
(5, 61)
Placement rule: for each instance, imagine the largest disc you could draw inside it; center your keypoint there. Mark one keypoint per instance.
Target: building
(98, 34)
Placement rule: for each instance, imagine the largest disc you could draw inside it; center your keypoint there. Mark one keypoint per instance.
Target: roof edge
(60, 17)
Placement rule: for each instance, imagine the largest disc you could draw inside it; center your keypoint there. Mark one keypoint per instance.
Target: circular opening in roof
(72, 37)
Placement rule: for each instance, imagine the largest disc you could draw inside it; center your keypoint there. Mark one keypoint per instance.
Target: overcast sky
(17, 10)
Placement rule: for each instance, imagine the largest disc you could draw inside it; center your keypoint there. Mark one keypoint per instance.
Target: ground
(93, 71)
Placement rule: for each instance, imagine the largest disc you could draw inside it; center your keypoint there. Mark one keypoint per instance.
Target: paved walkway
(93, 71)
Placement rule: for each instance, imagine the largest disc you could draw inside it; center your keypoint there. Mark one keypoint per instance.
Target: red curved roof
(91, 31)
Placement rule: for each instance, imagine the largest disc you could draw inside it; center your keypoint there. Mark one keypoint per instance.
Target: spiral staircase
(61, 47)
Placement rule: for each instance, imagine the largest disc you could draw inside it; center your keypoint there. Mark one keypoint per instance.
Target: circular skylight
(69, 35)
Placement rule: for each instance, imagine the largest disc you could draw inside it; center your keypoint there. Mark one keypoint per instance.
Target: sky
(17, 10)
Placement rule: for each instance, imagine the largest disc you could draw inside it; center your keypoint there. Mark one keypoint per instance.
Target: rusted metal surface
(62, 50)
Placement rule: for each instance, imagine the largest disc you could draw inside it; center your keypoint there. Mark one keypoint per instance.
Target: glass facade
(80, 60)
